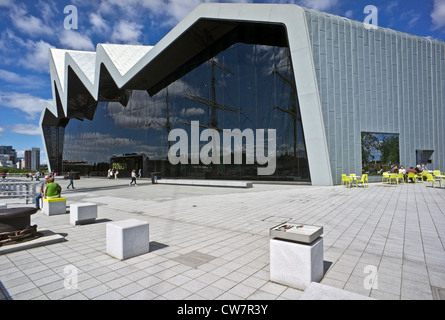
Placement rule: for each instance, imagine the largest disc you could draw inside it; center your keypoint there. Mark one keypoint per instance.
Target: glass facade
(241, 82)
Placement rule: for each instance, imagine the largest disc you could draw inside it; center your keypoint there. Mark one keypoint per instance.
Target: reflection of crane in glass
(211, 103)
(167, 125)
(292, 111)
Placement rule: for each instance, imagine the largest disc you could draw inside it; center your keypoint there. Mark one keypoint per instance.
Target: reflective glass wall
(243, 86)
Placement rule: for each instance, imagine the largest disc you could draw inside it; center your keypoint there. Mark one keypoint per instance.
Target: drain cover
(194, 259)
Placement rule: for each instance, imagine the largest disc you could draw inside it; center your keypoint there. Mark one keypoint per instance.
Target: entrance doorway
(424, 157)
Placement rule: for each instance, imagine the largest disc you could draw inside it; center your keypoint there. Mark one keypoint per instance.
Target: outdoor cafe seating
(352, 180)
(424, 177)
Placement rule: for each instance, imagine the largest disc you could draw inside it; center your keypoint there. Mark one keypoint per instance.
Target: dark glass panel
(243, 83)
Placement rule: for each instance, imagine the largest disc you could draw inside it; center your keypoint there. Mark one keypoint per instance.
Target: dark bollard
(15, 219)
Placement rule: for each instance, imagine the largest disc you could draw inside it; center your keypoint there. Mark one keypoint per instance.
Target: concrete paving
(213, 243)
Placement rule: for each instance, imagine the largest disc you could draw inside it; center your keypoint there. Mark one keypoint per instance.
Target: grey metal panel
(378, 81)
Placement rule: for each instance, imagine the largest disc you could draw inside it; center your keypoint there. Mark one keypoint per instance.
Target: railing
(19, 189)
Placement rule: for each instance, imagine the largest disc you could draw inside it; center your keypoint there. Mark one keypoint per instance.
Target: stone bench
(82, 213)
(127, 238)
(53, 206)
(296, 264)
(208, 183)
(3, 206)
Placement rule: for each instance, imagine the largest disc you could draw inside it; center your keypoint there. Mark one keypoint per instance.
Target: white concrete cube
(53, 206)
(127, 238)
(296, 264)
(3, 206)
(81, 213)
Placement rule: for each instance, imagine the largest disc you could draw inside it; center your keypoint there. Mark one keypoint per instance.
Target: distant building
(35, 158)
(27, 160)
(20, 164)
(32, 159)
(8, 156)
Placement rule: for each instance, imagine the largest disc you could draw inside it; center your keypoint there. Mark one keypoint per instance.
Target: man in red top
(411, 169)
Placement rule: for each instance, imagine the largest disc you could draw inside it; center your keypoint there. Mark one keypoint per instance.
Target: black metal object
(155, 176)
(18, 235)
(15, 219)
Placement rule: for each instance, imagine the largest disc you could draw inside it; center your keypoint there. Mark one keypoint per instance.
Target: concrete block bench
(208, 183)
(82, 213)
(53, 206)
(296, 264)
(127, 238)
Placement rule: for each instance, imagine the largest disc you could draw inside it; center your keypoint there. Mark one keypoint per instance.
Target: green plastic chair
(412, 175)
(429, 177)
(342, 178)
(420, 176)
(400, 176)
(347, 180)
(439, 179)
(393, 176)
(363, 181)
(385, 175)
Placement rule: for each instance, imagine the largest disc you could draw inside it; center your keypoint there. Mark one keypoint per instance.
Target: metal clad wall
(380, 81)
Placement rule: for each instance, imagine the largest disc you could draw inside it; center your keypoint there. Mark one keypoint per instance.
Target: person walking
(133, 178)
(71, 177)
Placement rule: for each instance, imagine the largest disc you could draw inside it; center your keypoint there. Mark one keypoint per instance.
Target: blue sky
(29, 28)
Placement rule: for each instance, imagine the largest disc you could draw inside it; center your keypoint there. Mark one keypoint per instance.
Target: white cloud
(178, 9)
(98, 23)
(29, 24)
(9, 76)
(12, 78)
(156, 6)
(30, 105)
(74, 40)
(126, 32)
(321, 5)
(349, 13)
(192, 112)
(48, 10)
(28, 129)
(36, 57)
(32, 55)
(6, 3)
(438, 14)
(1, 131)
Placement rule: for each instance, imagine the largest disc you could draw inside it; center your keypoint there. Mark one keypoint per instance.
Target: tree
(389, 149)
(369, 142)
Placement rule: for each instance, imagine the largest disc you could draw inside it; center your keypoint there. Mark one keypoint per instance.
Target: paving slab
(213, 243)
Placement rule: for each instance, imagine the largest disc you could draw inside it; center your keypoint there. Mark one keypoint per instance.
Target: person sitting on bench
(52, 189)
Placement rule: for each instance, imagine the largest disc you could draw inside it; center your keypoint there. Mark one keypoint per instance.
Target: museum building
(319, 81)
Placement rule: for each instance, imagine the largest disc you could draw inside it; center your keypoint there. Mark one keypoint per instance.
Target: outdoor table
(354, 178)
(442, 177)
